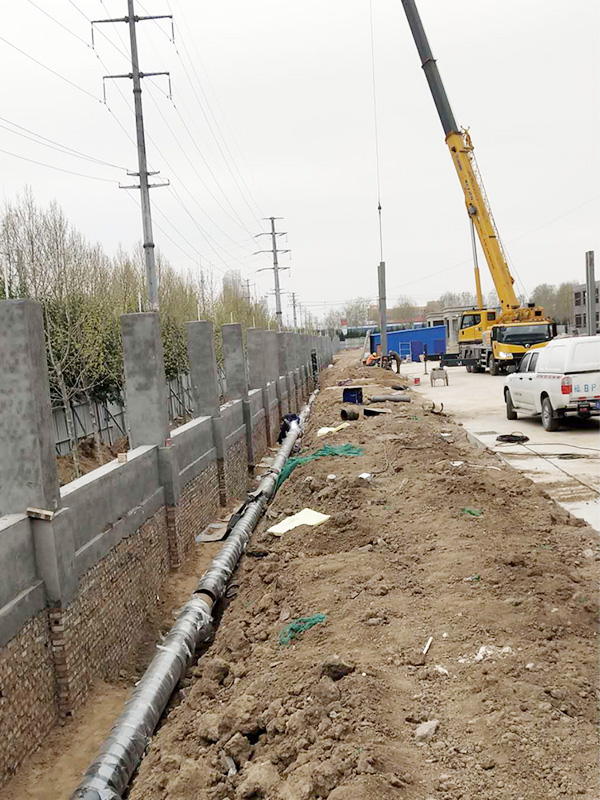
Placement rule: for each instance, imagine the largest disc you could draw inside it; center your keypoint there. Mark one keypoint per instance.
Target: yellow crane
(488, 337)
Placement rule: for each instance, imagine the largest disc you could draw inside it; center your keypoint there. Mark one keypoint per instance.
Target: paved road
(477, 401)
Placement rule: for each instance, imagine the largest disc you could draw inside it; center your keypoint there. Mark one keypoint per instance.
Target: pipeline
(109, 774)
(390, 398)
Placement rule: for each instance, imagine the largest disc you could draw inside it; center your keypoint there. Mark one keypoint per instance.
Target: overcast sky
(272, 114)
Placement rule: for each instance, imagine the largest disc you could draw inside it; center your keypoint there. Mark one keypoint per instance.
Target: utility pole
(144, 186)
(276, 268)
(590, 293)
(382, 311)
(294, 305)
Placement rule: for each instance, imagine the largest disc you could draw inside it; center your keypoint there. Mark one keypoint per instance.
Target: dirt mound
(442, 541)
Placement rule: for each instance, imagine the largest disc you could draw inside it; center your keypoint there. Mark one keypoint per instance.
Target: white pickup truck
(562, 378)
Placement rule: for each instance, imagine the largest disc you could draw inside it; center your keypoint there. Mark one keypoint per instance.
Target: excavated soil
(509, 597)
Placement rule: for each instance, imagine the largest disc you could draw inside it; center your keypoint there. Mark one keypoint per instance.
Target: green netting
(327, 450)
(297, 626)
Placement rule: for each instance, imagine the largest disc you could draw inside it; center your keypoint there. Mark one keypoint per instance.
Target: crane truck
(488, 338)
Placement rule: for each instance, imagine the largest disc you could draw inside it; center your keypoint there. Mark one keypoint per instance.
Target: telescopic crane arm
(463, 158)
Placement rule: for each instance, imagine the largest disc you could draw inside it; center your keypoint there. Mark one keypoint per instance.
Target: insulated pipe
(391, 398)
(108, 776)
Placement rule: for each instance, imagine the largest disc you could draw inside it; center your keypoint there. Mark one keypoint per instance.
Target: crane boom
(463, 157)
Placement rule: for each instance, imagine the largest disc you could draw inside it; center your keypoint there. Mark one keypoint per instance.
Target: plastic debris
(427, 646)
(325, 431)
(473, 512)
(332, 476)
(298, 626)
(366, 476)
(305, 517)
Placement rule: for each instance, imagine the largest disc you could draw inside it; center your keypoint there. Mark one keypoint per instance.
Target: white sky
(290, 85)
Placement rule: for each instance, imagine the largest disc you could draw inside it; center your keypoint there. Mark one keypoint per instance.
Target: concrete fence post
(148, 411)
(28, 472)
(257, 372)
(285, 358)
(205, 389)
(272, 367)
(237, 379)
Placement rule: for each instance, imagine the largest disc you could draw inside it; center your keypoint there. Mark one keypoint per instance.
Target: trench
(108, 777)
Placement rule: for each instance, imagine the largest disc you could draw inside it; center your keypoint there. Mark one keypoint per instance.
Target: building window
(578, 322)
(577, 298)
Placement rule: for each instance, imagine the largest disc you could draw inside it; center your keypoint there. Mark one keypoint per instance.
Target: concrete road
(566, 462)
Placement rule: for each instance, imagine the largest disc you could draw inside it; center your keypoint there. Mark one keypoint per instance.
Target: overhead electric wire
(49, 69)
(239, 221)
(53, 145)
(211, 129)
(60, 24)
(376, 129)
(58, 169)
(261, 213)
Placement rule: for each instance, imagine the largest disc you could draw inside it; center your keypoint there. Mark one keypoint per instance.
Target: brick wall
(236, 470)
(198, 505)
(28, 708)
(102, 627)
(259, 438)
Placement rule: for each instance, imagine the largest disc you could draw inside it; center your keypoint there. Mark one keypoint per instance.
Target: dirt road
(473, 556)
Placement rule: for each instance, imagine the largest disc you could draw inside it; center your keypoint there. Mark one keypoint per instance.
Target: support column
(28, 473)
(283, 345)
(237, 379)
(272, 368)
(147, 411)
(257, 372)
(205, 389)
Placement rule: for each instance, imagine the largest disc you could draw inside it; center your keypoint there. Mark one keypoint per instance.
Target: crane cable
(376, 129)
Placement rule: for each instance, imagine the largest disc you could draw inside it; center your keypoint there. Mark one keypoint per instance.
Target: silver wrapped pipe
(108, 776)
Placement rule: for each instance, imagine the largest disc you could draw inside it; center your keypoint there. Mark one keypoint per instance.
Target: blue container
(353, 394)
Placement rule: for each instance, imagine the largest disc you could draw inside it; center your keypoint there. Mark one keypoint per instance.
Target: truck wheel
(510, 409)
(549, 420)
(493, 366)
(470, 369)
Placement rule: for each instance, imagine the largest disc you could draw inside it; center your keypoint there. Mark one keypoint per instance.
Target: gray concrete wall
(43, 561)
(195, 448)
(22, 593)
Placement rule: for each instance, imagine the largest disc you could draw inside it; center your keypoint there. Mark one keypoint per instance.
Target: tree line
(556, 300)
(83, 292)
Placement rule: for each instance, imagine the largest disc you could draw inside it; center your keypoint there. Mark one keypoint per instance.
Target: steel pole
(278, 312)
(150, 262)
(382, 310)
(590, 304)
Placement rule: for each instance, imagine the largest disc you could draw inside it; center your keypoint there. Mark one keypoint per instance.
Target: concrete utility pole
(590, 303)
(294, 306)
(276, 268)
(382, 309)
(144, 186)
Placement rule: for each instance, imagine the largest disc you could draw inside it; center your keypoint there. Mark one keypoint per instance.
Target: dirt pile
(442, 542)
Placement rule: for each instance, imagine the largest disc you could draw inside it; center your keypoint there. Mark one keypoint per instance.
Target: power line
(61, 148)
(193, 166)
(58, 169)
(210, 127)
(64, 27)
(49, 69)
